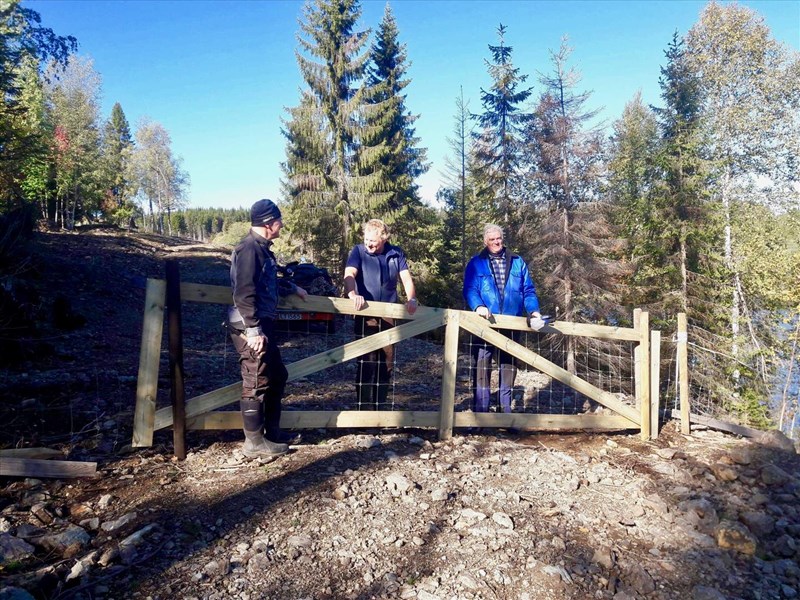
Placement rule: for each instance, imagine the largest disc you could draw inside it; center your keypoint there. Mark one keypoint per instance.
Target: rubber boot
(272, 424)
(256, 446)
(277, 435)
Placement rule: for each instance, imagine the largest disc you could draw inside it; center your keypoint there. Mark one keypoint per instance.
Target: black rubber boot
(256, 446)
(282, 437)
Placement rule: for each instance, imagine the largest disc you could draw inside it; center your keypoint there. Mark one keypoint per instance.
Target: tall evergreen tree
(632, 176)
(389, 135)
(333, 68)
(498, 152)
(462, 217)
(575, 240)
(685, 223)
(117, 145)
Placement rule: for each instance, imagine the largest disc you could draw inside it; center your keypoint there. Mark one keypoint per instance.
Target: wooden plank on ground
(149, 357)
(478, 326)
(41, 453)
(721, 425)
(34, 467)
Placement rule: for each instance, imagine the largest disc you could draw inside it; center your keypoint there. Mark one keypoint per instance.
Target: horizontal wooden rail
(195, 292)
(312, 419)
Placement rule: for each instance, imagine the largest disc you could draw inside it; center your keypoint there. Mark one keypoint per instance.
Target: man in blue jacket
(497, 281)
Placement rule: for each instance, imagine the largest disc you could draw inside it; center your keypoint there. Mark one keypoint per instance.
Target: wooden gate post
(683, 372)
(644, 371)
(175, 342)
(637, 361)
(449, 368)
(655, 381)
(149, 356)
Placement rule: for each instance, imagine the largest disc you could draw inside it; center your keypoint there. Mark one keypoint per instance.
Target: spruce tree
(685, 223)
(498, 151)
(632, 177)
(574, 261)
(332, 65)
(389, 155)
(117, 144)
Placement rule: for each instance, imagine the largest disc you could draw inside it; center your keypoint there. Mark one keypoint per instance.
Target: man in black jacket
(256, 289)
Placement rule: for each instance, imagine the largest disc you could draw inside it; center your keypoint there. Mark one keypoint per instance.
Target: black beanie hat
(263, 212)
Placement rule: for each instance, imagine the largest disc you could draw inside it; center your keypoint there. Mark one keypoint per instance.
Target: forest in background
(689, 206)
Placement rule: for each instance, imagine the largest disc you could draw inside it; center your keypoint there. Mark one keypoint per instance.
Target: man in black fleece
(256, 289)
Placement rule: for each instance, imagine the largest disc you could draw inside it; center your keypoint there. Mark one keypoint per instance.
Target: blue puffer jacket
(480, 289)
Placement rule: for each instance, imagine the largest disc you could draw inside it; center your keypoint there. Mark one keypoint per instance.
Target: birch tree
(156, 176)
(750, 85)
(73, 96)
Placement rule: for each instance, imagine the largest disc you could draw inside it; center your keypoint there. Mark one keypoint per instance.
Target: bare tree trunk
(785, 395)
(728, 249)
(684, 272)
(75, 193)
(568, 294)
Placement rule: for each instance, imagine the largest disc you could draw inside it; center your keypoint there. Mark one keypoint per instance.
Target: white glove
(537, 322)
(483, 312)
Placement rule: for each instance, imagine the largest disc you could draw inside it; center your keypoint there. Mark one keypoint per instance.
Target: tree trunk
(785, 394)
(568, 293)
(735, 314)
(684, 271)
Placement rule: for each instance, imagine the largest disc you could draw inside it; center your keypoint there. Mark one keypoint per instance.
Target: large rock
(761, 524)
(66, 543)
(774, 475)
(735, 536)
(13, 549)
(775, 439)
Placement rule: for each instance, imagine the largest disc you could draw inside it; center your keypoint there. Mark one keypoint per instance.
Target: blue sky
(219, 74)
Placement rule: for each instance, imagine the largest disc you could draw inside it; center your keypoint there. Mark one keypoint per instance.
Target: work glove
(537, 322)
(483, 312)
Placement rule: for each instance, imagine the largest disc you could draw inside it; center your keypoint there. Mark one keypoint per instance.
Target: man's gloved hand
(483, 312)
(537, 322)
(256, 340)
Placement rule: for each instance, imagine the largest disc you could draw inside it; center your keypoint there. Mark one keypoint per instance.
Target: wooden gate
(200, 411)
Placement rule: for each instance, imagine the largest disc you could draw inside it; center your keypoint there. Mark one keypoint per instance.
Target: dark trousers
(263, 381)
(483, 354)
(374, 370)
